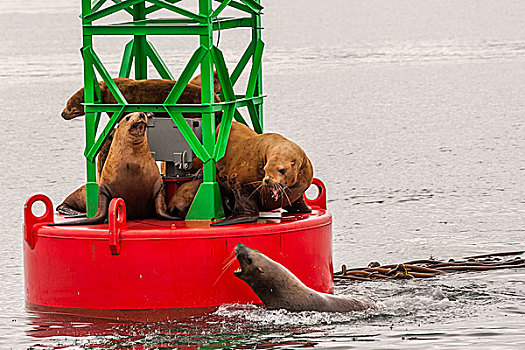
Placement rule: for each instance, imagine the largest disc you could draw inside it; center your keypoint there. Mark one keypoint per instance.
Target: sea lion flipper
(64, 209)
(161, 208)
(299, 206)
(76, 216)
(245, 209)
(102, 213)
(233, 220)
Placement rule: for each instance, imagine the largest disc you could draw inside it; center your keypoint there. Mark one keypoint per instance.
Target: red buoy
(152, 269)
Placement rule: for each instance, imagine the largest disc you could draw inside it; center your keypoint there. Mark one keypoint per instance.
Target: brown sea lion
(149, 91)
(263, 172)
(181, 201)
(216, 83)
(130, 173)
(278, 288)
(75, 203)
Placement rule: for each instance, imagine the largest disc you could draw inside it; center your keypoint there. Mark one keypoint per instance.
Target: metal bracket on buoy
(31, 222)
(117, 223)
(320, 201)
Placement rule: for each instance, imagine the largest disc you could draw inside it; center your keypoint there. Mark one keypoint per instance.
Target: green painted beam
(238, 6)
(253, 5)
(232, 23)
(109, 10)
(224, 133)
(89, 120)
(245, 58)
(128, 10)
(96, 5)
(157, 62)
(254, 116)
(140, 47)
(185, 76)
(254, 73)
(179, 10)
(238, 117)
(182, 108)
(144, 30)
(92, 57)
(127, 60)
(91, 152)
(219, 9)
(154, 8)
(189, 135)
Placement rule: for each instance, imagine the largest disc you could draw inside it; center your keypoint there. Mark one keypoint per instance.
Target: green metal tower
(207, 203)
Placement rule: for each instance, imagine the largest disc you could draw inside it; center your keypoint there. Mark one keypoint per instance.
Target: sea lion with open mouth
(148, 91)
(263, 172)
(278, 288)
(130, 173)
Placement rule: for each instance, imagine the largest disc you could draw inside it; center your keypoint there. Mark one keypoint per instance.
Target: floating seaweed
(428, 268)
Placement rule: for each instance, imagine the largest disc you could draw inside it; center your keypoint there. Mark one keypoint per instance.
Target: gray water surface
(412, 113)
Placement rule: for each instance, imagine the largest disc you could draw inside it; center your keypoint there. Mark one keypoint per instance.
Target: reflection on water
(412, 113)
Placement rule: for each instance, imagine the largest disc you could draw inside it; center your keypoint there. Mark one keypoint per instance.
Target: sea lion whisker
(232, 259)
(288, 198)
(256, 189)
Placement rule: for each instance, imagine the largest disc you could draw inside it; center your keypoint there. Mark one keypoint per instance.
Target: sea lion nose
(240, 248)
(267, 180)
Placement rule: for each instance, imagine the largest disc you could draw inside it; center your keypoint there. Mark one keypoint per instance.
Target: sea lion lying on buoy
(148, 91)
(130, 173)
(263, 172)
(180, 202)
(216, 83)
(75, 203)
(278, 288)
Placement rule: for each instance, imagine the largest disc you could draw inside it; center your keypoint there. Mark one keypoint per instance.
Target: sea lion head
(253, 264)
(281, 168)
(132, 127)
(267, 278)
(74, 107)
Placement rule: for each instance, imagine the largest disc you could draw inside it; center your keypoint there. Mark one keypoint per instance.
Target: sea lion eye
(282, 171)
(127, 118)
(249, 261)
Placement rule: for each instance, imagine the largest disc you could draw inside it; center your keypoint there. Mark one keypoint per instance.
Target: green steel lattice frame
(207, 203)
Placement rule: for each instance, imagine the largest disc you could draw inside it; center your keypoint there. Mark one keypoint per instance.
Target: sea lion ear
(260, 269)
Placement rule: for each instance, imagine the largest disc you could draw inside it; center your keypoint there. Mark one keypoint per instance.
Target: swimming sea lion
(278, 288)
(75, 203)
(149, 91)
(263, 172)
(130, 172)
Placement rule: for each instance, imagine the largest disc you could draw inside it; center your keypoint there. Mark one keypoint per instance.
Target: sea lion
(216, 83)
(75, 203)
(181, 201)
(263, 172)
(130, 173)
(149, 91)
(278, 288)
